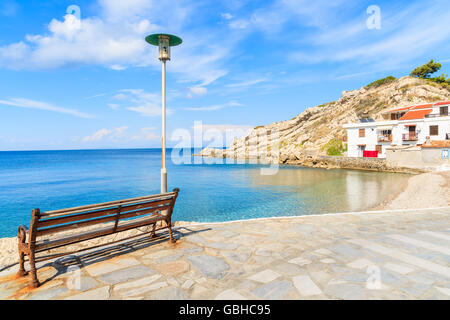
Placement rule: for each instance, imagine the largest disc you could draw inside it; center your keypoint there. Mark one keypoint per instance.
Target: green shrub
(380, 82)
(334, 147)
(366, 103)
(426, 70)
(283, 144)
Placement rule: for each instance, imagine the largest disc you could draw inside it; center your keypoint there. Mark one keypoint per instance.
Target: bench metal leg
(169, 226)
(153, 235)
(21, 271)
(33, 270)
(21, 238)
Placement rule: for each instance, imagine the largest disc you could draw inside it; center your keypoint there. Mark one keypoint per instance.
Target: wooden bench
(108, 218)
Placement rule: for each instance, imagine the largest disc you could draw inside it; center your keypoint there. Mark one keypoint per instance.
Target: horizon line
(97, 149)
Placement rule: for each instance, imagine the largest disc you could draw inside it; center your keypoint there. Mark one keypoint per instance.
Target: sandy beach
(427, 190)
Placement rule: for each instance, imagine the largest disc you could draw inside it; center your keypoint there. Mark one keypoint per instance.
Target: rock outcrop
(304, 136)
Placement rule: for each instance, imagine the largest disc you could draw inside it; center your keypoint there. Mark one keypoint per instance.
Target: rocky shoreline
(318, 161)
(330, 162)
(308, 138)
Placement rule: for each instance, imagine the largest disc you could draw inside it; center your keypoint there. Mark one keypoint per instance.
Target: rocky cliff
(306, 134)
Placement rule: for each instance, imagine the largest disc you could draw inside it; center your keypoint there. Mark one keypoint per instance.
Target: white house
(411, 125)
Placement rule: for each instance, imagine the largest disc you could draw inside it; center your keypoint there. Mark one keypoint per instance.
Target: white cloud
(93, 42)
(147, 134)
(337, 31)
(216, 107)
(319, 14)
(247, 83)
(145, 103)
(114, 39)
(239, 24)
(96, 96)
(120, 96)
(217, 132)
(119, 10)
(225, 127)
(147, 110)
(404, 36)
(226, 16)
(353, 75)
(32, 104)
(117, 67)
(106, 133)
(197, 91)
(121, 134)
(114, 106)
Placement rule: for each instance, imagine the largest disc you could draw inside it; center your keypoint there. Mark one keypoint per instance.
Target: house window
(443, 111)
(396, 116)
(434, 130)
(379, 148)
(362, 133)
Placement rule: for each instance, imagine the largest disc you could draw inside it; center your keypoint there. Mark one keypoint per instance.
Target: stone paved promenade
(381, 255)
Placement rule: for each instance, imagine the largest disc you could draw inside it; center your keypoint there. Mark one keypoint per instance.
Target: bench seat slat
(106, 219)
(82, 224)
(43, 246)
(89, 215)
(104, 205)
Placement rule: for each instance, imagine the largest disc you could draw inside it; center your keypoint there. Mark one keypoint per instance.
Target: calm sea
(209, 192)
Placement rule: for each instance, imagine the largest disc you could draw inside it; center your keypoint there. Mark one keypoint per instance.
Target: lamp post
(164, 42)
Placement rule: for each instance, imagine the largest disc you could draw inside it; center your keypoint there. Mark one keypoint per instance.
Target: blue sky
(89, 80)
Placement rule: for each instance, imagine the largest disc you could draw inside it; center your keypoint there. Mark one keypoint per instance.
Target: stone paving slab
(377, 255)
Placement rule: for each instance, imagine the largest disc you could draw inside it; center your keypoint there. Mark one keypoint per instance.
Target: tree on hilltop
(426, 70)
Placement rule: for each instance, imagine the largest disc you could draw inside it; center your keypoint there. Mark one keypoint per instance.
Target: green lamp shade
(153, 39)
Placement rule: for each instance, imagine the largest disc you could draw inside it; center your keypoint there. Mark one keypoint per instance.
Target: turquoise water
(209, 192)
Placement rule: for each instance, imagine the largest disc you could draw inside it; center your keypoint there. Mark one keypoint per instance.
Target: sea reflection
(320, 190)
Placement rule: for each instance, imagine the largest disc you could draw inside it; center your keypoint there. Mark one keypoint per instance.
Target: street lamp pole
(164, 42)
(163, 131)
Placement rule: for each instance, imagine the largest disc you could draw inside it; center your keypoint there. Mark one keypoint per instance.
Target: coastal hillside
(318, 130)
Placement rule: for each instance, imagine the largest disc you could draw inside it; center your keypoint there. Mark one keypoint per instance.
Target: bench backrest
(52, 222)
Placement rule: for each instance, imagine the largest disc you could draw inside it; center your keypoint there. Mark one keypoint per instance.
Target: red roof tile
(418, 114)
(400, 109)
(441, 103)
(423, 106)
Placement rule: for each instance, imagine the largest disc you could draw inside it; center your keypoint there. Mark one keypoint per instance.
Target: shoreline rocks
(303, 139)
(317, 161)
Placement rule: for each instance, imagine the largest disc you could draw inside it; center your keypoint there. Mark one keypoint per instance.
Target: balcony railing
(385, 138)
(412, 136)
(437, 115)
